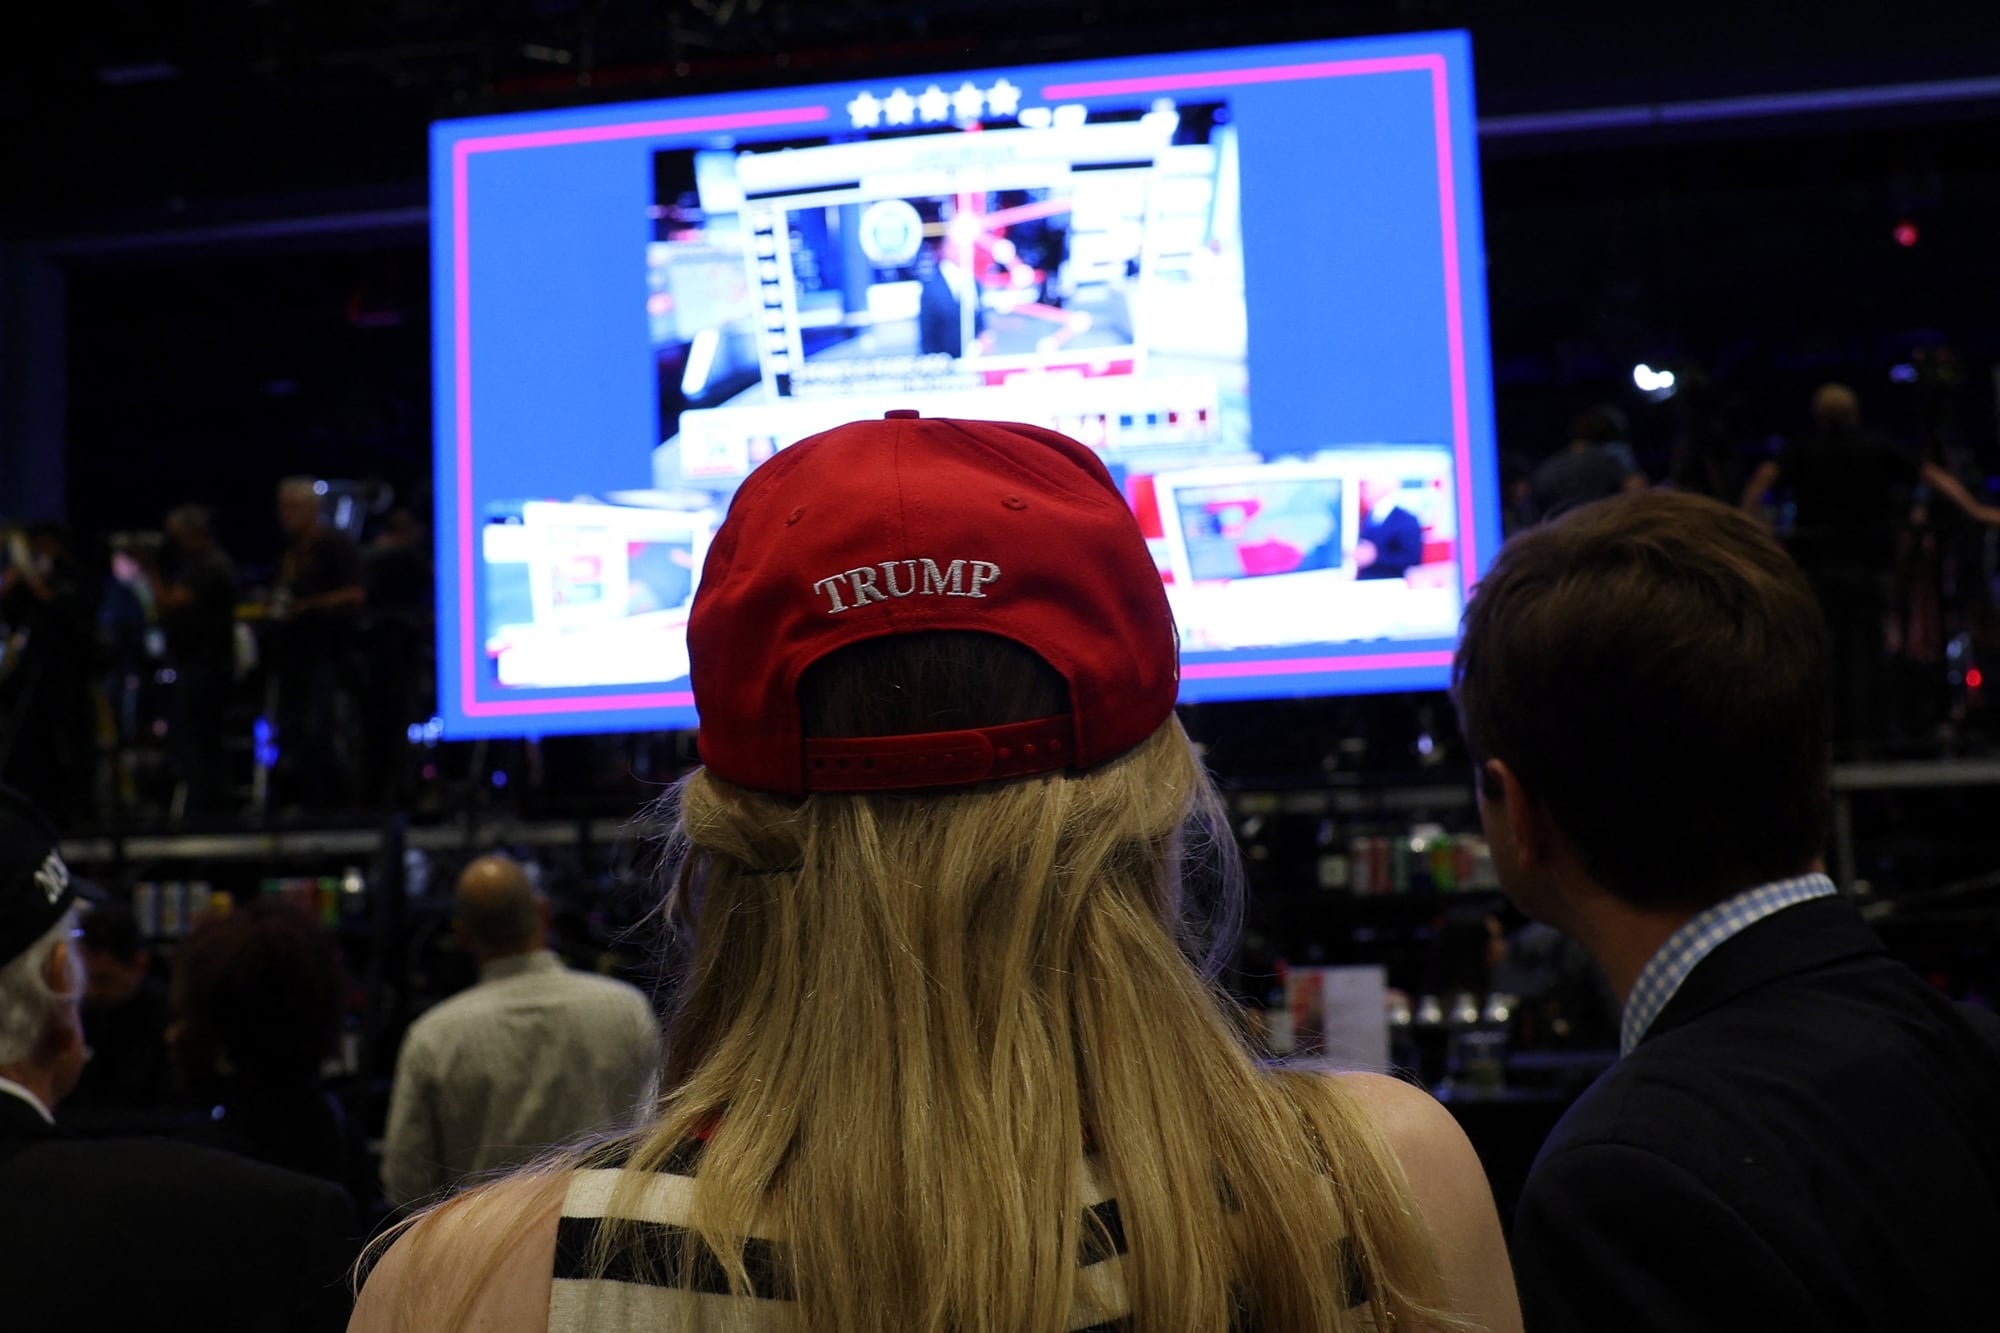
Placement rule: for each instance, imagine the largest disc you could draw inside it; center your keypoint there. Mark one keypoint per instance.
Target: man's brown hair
(1654, 669)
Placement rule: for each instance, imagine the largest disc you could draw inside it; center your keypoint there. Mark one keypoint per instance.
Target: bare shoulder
(495, 1246)
(1451, 1192)
(1443, 1170)
(1414, 1122)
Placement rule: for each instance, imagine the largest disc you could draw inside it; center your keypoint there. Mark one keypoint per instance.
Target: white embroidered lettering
(53, 877)
(831, 587)
(916, 577)
(947, 584)
(863, 582)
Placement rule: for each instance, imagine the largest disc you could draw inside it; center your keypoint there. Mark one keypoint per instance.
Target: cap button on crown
(901, 414)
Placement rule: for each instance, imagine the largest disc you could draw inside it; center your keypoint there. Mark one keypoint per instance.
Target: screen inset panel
(1250, 279)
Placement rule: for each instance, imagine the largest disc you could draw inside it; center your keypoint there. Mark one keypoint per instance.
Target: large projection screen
(1250, 278)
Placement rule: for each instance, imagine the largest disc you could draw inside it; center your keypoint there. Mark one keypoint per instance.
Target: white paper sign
(1340, 1015)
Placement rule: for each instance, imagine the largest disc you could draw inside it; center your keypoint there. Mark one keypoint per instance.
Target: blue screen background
(1344, 280)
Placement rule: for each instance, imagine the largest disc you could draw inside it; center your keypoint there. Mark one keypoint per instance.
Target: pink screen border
(1432, 64)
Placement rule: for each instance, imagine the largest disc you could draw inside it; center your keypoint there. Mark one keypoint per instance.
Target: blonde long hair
(904, 1019)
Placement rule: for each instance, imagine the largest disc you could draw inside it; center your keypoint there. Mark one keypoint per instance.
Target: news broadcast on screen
(1251, 280)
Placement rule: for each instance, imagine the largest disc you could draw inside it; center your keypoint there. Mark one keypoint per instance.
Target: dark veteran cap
(35, 887)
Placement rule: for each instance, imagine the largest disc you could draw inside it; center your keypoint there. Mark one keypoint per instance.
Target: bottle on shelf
(1476, 1055)
(1335, 863)
(1444, 862)
(1279, 1038)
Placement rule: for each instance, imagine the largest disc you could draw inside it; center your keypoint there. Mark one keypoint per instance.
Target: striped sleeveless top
(630, 1296)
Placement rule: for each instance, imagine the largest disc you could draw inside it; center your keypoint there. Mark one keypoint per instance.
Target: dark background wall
(213, 239)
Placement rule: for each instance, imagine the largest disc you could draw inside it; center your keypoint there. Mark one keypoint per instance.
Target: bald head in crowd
(532, 1056)
(498, 911)
(299, 504)
(1835, 408)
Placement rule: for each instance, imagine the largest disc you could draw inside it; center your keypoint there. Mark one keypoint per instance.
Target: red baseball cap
(908, 525)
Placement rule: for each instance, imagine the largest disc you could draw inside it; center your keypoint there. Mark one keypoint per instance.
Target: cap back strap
(939, 758)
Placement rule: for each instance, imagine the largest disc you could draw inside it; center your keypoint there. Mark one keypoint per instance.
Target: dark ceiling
(134, 114)
(1761, 250)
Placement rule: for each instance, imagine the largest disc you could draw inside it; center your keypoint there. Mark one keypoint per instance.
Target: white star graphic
(900, 108)
(934, 104)
(866, 110)
(968, 102)
(1004, 98)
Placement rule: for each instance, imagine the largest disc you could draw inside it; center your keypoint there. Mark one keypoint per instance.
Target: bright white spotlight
(1653, 383)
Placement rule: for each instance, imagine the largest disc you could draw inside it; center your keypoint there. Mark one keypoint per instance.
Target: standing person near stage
(1800, 1132)
(1594, 464)
(1852, 494)
(946, 1052)
(197, 602)
(318, 614)
(398, 674)
(48, 703)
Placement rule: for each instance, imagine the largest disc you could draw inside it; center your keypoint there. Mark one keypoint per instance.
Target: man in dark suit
(1392, 542)
(193, 1239)
(943, 293)
(1800, 1134)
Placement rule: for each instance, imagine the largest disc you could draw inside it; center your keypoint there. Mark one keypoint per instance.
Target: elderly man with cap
(197, 1239)
(533, 1056)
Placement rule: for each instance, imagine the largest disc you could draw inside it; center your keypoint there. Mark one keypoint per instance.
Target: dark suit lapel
(1797, 939)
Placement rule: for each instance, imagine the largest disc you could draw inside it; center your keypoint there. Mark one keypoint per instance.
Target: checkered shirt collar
(1667, 969)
